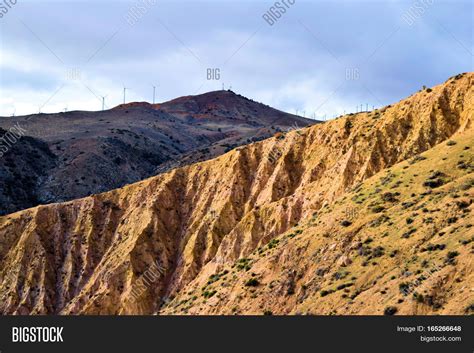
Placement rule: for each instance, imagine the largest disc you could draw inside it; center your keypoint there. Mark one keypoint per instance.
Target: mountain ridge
(200, 220)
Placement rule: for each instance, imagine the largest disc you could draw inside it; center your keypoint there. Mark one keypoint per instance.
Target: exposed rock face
(96, 152)
(286, 225)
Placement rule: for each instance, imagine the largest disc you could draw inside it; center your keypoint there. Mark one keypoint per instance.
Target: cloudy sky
(319, 58)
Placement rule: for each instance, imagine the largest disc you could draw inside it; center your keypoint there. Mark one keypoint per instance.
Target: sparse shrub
(209, 294)
(408, 233)
(467, 185)
(450, 257)
(431, 247)
(469, 309)
(378, 209)
(404, 288)
(435, 183)
(244, 264)
(321, 271)
(418, 297)
(463, 165)
(252, 282)
(389, 197)
(378, 251)
(417, 159)
(378, 221)
(390, 310)
(452, 220)
(408, 204)
(466, 241)
(348, 126)
(340, 275)
(273, 243)
(428, 220)
(323, 293)
(344, 285)
(346, 223)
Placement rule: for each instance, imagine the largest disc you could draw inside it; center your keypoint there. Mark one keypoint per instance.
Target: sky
(318, 59)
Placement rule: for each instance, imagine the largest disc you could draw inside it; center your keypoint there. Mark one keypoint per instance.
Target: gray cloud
(301, 62)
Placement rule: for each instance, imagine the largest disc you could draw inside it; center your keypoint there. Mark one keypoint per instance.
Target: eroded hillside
(402, 242)
(262, 224)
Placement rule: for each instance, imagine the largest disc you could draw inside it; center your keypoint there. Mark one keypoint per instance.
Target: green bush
(252, 282)
(209, 294)
(326, 292)
(378, 209)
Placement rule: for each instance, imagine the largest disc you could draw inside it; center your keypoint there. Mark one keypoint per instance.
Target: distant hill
(95, 152)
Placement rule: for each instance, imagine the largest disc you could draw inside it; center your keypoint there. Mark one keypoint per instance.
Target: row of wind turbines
(324, 117)
(102, 99)
(125, 89)
(125, 96)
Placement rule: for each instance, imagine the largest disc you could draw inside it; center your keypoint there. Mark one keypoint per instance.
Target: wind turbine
(14, 111)
(124, 93)
(154, 93)
(103, 101)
